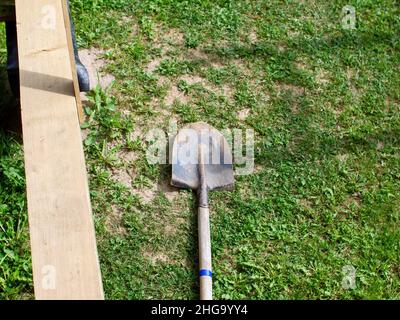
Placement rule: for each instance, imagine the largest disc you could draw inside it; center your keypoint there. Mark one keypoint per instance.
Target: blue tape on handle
(205, 273)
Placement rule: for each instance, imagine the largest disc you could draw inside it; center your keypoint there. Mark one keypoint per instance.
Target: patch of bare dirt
(227, 259)
(224, 90)
(114, 221)
(91, 59)
(301, 65)
(242, 67)
(258, 168)
(127, 156)
(167, 39)
(169, 191)
(227, 91)
(253, 36)
(152, 66)
(307, 204)
(390, 102)
(336, 110)
(351, 75)
(243, 114)
(156, 257)
(174, 94)
(295, 108)
(148, 194)
(190, 79)
(175, 36)
(84, 133)
(296, 90)
(342, 157)
(293, 33)
(170, 229)
(197, 53)
(322, 77)
(208, 58)
(137, 133)
(353, 199)
(122, 176)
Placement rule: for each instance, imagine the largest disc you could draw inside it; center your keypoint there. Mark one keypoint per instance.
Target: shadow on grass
(9, 109)
(306, 135)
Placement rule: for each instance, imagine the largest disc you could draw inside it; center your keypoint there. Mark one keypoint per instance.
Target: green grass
(15, 260)
(324, 105)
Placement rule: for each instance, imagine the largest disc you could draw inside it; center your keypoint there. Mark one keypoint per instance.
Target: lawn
(323, 202)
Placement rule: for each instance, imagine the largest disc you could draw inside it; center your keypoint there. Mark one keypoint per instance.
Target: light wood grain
(64, 253)
(205, 253)
(67, 24)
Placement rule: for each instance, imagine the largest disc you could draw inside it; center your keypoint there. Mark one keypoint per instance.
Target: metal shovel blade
(216, 156)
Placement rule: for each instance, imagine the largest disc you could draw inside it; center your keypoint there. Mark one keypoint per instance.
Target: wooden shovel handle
(205, 272)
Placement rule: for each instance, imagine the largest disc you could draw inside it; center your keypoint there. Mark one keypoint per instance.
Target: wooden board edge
(67, 24)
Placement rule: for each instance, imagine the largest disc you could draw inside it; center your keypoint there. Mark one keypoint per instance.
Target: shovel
(202, 161)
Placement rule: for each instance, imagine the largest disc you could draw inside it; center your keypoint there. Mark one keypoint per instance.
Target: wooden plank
(67, 23)
(64, 254)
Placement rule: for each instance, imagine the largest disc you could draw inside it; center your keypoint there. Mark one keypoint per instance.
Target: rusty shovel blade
(201, 143)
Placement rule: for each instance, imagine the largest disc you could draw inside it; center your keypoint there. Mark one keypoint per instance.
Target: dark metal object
(13, 65)
(201, 160)
(7, 10)
(12, 57)
(83, 75)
